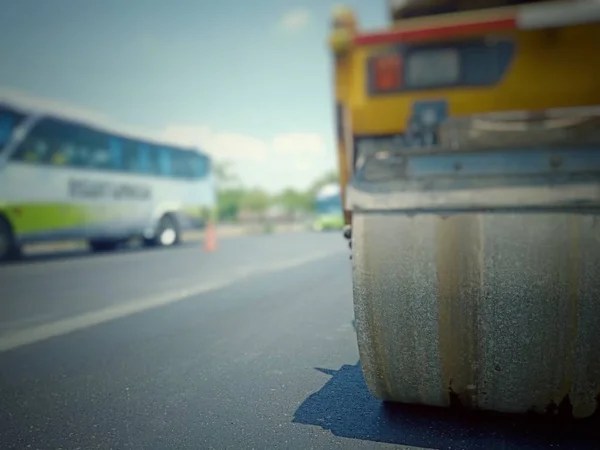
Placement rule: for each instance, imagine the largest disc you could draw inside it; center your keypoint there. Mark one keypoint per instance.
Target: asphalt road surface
(249, 347)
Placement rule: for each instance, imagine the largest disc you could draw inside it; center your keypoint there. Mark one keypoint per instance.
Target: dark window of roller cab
(9, 120)
(473, 63)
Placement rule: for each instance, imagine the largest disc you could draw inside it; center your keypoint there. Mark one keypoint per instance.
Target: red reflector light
(387, 72)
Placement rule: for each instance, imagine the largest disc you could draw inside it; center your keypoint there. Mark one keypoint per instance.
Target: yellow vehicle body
(551, 68)
(475, 244)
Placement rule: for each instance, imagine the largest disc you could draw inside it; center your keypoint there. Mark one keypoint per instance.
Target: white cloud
(294, 20)
(235, 146)
(221, 145)
(286, 160)
(292, 159)
(299, 143)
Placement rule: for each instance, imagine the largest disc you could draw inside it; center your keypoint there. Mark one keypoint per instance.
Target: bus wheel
(167, 233)
(9, 249)
(103, 245)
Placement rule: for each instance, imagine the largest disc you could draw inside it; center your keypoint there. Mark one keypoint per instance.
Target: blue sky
(248, 81)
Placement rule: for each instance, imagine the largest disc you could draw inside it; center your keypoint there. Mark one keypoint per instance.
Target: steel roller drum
(476, 270)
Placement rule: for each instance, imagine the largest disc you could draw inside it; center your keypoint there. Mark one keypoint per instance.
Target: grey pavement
(250, 347)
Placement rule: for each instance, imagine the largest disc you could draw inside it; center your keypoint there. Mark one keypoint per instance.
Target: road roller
(468, 143)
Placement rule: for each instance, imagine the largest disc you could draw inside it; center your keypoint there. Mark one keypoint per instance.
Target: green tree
(229, 202)
(256, 201)
(294, 201)
(229, 192)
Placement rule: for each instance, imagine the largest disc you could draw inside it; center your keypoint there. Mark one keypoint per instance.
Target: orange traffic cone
(210, 238)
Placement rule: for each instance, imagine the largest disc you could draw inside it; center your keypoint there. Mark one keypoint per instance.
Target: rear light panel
(386, 72)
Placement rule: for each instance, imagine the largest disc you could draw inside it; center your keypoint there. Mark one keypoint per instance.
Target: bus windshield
(9, 120)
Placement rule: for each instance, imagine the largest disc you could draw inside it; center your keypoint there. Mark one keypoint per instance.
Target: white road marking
(22, 323)
(46, 331)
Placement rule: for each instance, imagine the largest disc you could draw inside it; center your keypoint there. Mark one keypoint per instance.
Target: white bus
(64, 179)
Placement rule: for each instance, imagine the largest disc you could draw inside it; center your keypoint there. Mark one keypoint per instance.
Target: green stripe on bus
(38, 217)
(35, 217)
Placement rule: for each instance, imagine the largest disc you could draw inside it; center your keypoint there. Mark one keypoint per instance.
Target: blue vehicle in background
(329, 209)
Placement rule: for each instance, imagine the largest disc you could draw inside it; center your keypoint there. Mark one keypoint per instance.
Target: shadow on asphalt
(346, 408)
(32, 258)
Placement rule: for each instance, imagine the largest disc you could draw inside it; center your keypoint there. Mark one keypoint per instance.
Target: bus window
(40, 151)
(144, 155)
(39, 144)
(115, 146)
(65, 154)
(165, 166)
(63, 141)
(182, 164)
(32, 150)
(132, 157)
(59, 153)
(54, 142)
(187, 164)
(98, 147)
(81, 156)
(8, 121)
(149, 159)
(177, 163)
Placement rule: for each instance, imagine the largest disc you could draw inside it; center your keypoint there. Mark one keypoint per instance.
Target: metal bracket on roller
(348, 236)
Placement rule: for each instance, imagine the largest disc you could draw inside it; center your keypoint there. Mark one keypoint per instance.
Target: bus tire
(9, 248)
(99, 246)
(167, 233)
